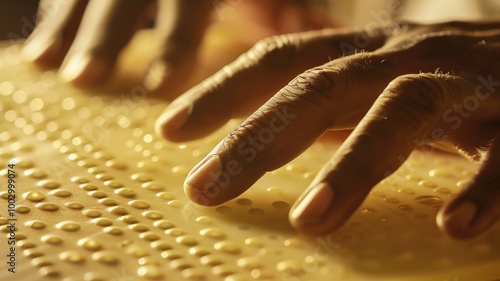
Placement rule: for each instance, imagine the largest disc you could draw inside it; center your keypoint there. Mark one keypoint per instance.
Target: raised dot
(128, 219)
(51, 239)
(204, 219)
(23, 164)
(69, 226)
(89, 244)
(194, 274)
(254, 242)
(47, 206)
(378, 193)
(116, 165)
(41, 262)
(79, 180)
(175, 203)
(153, 186)
(440, 172)
(408, 191)
(163, 224)
(139, 204)
(92, 213)
(224, 270)
(442, 190)
(48, 184)
(139, 227)
(137, 251)
(88, 187)
(165, 195)
(280, 204)
(98, 194)
(72, 257)
(74, 205)
(102, 221)
(26, 244)
(186, 240)
(429, 200)
(180, 264)
(227, 247)
(256, 211)
(49, 271)
(102, 155)
(406, 208)
(212, 259)
(63, 193)
(200, 251)
(108, 202)
(392, 200)
(34, 196)
(463, 183)
(172, 254)
(249, 262)
(152, 215)
(35, 224)
(292, 266)
(35, 173)
(161, 245)
(113, 184)
(244, 201)
(293, 242)
(213, 233)
(106, 257)
(427, 183)
(126, 192)
(117, 210)
(103, 177)
(22, 209)
(141, 177)
(368, 211)
(175, 232)
(150, 271)
(113, 230)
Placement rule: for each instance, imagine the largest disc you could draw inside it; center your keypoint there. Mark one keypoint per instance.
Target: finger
(55, 32)
(239, 88)
(477, 207)
(181, 25)
(106, 28)
(328, 96)
(407, 111)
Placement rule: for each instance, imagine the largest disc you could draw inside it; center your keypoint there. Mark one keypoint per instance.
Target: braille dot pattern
(100, 199)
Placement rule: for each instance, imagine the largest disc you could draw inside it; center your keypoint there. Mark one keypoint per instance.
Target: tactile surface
(99, 197)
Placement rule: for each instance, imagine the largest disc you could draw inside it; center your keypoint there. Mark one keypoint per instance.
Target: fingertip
(309, 213)
(156, 75)
(457, 218)
(82, 69)
(171, 120)
(41, 51)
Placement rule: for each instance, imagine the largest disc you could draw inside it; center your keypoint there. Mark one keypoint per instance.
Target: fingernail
(173, 117)
(155, 76)
(461, 216)
(313, 207)
(38, 47)
(84, 68)
(203, 177)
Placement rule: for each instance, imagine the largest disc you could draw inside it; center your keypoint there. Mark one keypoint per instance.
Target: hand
(412, 84)
(87, 36)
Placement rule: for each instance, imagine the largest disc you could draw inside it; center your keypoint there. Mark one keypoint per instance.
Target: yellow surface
(99, 197)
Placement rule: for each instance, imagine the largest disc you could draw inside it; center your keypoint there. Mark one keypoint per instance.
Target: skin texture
(405, 85)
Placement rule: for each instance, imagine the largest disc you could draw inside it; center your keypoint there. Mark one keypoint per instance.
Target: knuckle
(420, 95)
(276, 52)
(319, 86)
